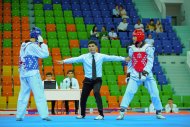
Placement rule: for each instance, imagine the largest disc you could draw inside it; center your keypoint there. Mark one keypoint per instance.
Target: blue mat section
(71, 121)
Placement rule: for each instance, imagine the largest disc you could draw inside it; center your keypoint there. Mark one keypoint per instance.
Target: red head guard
(139, 34)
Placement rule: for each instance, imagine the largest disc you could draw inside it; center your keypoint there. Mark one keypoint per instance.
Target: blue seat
(99, 27)
(96, 14)
(130, 28)
(109, 26)
(162, 36)
(65, 2)
(106, 14)
(94, 7)
(88, 20)
(167, 49)
(104, 7)
(83, 43)
(66, 7)
(123, 35)
(77, 13)
(177, 49)
(56, 1)
(48, 7)
(120, 2)
(75, 1)
(162, 79)
(111, 5)
(85, 7)
(168, 28)
(98, 21)
(87, 14)
(165, 21)
(84, 2)
(75, 7)
(158, 49)
(133, 14)
(172, 36)
(108, 21)
(37, 1)
(166, 42)
(145, 20)
(157, 70)
(117, 20)
(126, 43)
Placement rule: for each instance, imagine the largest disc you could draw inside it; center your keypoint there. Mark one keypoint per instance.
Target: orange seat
(7, 91)
(58, 70)
(16, 51)
(25, 20)
(78, 70)
(80, 79)
(15, 60)
(16, 42)
(55, 52)
(16, 20)
(71, 28)
(7, 81)
(7, 51)
(25, 35)
(6, 19)
(125, 69)
(7, 6)
(16, 35)
(74, 43)
(16, 27)
(25, 26)
(120, 99)
(48, 69)
(105, 93)
(112, 99)
(6, 12)
(16, 80)
(7, 60)
(7, 34)
(67, 67)
(121, 79)
(50, 27)
(113, 105)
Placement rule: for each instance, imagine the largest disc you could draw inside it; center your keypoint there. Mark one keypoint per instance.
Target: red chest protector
(139, 58)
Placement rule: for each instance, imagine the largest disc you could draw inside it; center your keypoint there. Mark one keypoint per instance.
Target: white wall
(186, 12)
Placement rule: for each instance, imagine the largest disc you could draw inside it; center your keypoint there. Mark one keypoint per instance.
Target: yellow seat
(12, 102)
(3, 102)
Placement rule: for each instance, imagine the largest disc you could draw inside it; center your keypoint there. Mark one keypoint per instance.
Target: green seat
(38, 13)
(57, 7)
(105, 44)
(69, 20)
(63, 43)
(7, 43)
(122, 52)
(165, 99)
(39, 20)
(58, 13)
(108, 70)
(82, 36)
(65, 52)
(84, 50)
(104, 50)
(186, 101)
(75, 52)
(177, 100)
(115, 93)
(51, 35)
(38, 6)
(167, 90)
(134, 104)
(118, 70)
(89, 27)
(7, 27)
(53, 43)
(111, 79)
(60, 27)
(68, 13)
(49, 20)
(80, 28)
(113, 88)
(41, 26)
(91, 102)
(144, 91)
(72, 35)
(24, 13)
(48, 13)
(115, 44)
(59, 20)
(47, 1)
(59, 79)
(15, 13)
(113, 51)
(47, 61)
(79, 20)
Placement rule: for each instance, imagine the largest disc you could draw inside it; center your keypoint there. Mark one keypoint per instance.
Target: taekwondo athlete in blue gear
(140, 70)
(30, 78)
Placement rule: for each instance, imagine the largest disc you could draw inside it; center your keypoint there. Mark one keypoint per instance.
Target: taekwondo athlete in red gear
(140, 70)
(30, 78)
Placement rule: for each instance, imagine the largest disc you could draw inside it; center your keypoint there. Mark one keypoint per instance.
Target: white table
(58, 94)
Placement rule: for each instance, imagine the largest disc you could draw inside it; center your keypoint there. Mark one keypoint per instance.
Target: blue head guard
(35, 32)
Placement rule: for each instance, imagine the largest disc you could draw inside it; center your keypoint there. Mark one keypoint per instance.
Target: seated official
(70, 83)
(50, 78)
(171, 107)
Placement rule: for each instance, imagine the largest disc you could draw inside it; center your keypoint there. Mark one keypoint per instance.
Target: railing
(161, 6)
